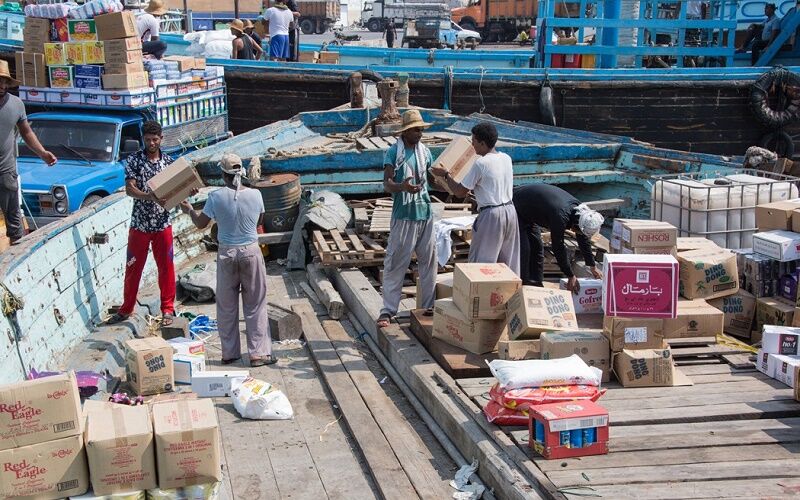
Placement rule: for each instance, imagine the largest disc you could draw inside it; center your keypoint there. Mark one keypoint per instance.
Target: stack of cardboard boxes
(779, 356)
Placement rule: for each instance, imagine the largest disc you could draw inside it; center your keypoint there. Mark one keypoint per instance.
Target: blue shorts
(279, 46)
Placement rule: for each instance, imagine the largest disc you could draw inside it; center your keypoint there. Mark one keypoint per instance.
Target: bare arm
(27, 134)
(257, 45)
(397, 187)
(134, 192)
(235, 46)
(199, 219)
(457, 189)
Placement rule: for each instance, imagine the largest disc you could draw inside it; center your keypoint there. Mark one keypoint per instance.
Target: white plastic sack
(259, 400)
(217, 49)
(545, 372)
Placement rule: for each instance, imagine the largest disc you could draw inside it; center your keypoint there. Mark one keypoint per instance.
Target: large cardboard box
(780, 340)
(44, 409)
(187, 443)
(647, 368)
(82, 30)
(175, 183)
(739, 311)
(308, 56)
(589, 299)
(36, 28)
(120, 449)
(94, 52)
(454, 327)
(326, 57)
(31, 70)
(797, 383)
(777, 215)
(185, 63)
(124, 69)
(457, 159)
(784, 368)
(515, 350)
(149, 365)
(482, 290)
(644, 286)
(49, 470)
(443, 290)
(696, 318)
(533, 310)
(643, 234)
(773, 311)
(783, 246)
(55, 54)
(685, 243)
(118, 51)
(633, 333)
(128, 81)
(708, 273)
(591, 347)
(115, 25)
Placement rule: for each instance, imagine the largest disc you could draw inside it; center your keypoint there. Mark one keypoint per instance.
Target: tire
(468, 25)
(776, 84)
(307, 26)
(322, 28)
(779, 142)
(91, 200)
(374, 25)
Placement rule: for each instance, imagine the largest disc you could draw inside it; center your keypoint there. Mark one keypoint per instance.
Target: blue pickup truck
(93, 142)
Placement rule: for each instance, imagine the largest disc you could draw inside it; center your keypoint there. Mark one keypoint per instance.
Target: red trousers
(138, 246)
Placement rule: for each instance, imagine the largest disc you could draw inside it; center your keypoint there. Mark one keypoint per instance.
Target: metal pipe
(434, 427)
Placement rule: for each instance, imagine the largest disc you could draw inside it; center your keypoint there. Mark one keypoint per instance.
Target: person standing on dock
(550, 207)
(406, 166)
(495, 233)
(150, 225)
(279, 18)
(243, 47)
(389, 32)
(13, 119)
(147, 26)
(249, 29)
(238, 211)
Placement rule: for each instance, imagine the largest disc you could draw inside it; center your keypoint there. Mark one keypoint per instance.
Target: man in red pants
(150, 225)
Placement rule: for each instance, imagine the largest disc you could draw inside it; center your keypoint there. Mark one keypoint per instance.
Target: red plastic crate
(567, 416)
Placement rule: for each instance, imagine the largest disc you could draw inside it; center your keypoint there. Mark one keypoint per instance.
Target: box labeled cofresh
(640, 285)
(482, 290)
(779, 245)
(149, 365)
(633, 333)
(708, 273)
(454, 327)
(739, 311)
(49, 470)
(175, 183)
(591, 347)
(589, 299)
(532, 310)
(696, 318)
(647, 368)
(82, 30)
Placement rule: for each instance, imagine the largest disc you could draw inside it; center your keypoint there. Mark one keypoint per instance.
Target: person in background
(389, 32)
(761, 35)
(243, 47)
(238, 211)
(149, 226)
(249, 28)
(544, 206)
(148, 29)
(294, 32)
(495, 233)
(12, 119)
(405, 175)
(279, 17)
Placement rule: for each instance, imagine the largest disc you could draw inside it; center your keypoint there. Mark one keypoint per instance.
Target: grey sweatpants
(407, 237)
(241, 268)
(9, 205)
(495, 237)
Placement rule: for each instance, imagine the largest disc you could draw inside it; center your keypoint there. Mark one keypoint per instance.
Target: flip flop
(383, 320)
(117, 318)
(266, 360)
(230, 361)
(167, 319)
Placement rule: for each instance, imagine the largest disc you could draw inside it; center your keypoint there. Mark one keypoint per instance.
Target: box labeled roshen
(644, 233)
(533, 310)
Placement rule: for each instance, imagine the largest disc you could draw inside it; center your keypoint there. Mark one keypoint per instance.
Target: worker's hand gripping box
(643, 286)
(533, 310)
(708, 273)
(149, 365)
(568, 429)
(175, 183)
(49, 470)
(457, 159)
(589, 299)
(481, 291)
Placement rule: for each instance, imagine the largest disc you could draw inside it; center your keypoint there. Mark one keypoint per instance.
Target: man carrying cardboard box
(495, 235)
(406, 166)
(150, 225)
(147, 27)
(240, 266)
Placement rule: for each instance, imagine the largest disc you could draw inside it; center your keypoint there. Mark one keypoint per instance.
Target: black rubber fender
(777, 80)
(546, 107)
(779, 142)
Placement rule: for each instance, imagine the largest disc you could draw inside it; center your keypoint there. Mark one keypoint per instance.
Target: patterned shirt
(147, 216)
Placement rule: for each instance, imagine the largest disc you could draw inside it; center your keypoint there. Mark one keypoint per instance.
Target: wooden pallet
(371, 143)
(347, 249)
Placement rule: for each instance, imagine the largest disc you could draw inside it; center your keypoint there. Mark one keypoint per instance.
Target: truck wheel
(322, 28)
(91, 200)
(374, 25)
(307, 26)
(468, 25)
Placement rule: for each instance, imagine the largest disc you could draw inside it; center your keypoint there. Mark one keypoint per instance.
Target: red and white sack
(545, 372)
(500, 415)
(523, 399)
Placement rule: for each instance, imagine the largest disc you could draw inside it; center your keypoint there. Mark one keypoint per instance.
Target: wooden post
(356, 92)
(236, 9)
(327, 294)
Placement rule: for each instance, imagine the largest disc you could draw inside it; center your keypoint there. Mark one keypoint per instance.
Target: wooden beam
(609, 204)
(274, 238)
(325, 291)
(390, 479)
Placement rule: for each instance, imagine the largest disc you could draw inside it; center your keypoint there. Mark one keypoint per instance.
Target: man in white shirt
(279, 17)
(147, 27)
(495, 233)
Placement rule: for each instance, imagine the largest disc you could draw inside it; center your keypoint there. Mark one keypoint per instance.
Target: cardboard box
(777, 215)
(589, 299)
(708, 273)
(124, 45)
(784, 368)
(633, 333)
(94, 52)
(444, 288)
(648, 251)
(186, 366)
(74, 53)
(61, 77)
(773, 311)
(36, 28)
(643, 234)
(31, 70)
(685, 243)
(121, 56)
(795, 221)
(120, 449)
(124, 69)
(308, 56)
(55, 54)
(149, 365)
(187, 443)
(33, 47)
(188, 347)
(482, 290)
(326, 57)
(127, 81)
(137, 97)
(591, 347)
(116, 25)
(515, 350)
(643, 286)
(696, 318)
(780, 340)
(647, 368)
(783, 246)
(175, 183)
(185, 63)
(215, 384)
(82, 30)
(533, 310)
(739, 311)
(570, 418)
(49, 470)
(454, 327)
(787, 286)
(797, 383)
(39, 410)
(457, 159)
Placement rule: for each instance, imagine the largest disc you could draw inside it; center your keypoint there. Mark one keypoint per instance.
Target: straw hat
(237, 25)
(4, 73)
(156, 7)
(413, 119)
(248, 24)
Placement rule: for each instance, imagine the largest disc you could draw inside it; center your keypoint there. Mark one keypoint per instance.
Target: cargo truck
(497, 20)
(375, 12)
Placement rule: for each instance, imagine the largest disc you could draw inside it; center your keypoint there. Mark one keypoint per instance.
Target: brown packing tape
(118, 420)
(178, 189)
(185, 420)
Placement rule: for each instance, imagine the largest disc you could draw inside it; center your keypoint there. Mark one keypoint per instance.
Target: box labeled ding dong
(149, 365)
(739, 311)
(532, 310)
(708, 273)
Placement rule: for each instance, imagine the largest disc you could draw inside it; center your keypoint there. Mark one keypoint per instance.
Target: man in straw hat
(12, 119)
(147, 26)
(240, 266)
(279, 18)
(406, 165)
(250, 29)
(550, 207)
(495, 235)
(243, 46)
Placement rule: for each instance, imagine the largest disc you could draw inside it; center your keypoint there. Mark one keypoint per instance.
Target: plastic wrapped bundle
(95, 8)
(50, 11)
(545, 372)
(519, 399)
(500, 415)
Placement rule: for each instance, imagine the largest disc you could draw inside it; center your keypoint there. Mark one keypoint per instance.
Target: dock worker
(544, 206)
(761, 35)
(13, 119)
(250, 29)
(406, 165)
(279, 19)
(150, 226)
(243, 46)
(495, 233)
(147, 27)
(239, 211)
(389, 32)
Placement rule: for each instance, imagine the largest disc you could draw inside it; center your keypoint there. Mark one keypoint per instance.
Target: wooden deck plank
(741, 488)
(729, 412)
(679, 400)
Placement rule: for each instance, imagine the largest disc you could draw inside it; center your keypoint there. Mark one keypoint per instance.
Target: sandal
(230, 361)
(428, 312)
(167, 319)
(266, 360)
(117, 318)
(383, 320)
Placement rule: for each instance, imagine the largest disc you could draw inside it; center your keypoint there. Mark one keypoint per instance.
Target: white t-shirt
(146, 26)
(279, 20)
(237, 220)
(491, 179)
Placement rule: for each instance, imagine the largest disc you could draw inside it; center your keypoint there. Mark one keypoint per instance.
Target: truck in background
(375, 12)
(497, 20)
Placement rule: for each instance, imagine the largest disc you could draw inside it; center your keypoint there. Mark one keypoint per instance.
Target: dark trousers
(9, 204)
(758, 46)
(531, 254)
(156, 48)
